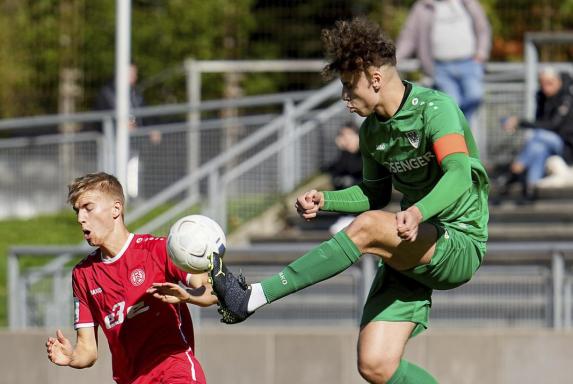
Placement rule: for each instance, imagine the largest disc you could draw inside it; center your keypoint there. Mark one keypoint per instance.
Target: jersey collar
(120, 253)
(407, 92)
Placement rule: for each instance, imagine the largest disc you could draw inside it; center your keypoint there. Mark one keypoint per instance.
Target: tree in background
(46, 44)
(40, 40)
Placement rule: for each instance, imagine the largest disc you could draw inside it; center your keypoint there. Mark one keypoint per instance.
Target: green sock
(408, 373)
(328, 259)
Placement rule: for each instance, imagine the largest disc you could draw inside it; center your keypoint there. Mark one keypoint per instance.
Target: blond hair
(100, 181)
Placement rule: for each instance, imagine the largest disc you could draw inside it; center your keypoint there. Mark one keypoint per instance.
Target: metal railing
(237, 181)
(32, 167)
(521, 284)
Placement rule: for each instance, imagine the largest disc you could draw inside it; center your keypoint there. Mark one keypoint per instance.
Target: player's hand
(407, 223)
(308, 204)
(59, 349)
(174, 294)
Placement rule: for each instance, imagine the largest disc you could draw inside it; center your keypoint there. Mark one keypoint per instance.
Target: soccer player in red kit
(129, 287)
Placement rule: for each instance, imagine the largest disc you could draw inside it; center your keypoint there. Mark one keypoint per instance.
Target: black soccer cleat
(233, 292)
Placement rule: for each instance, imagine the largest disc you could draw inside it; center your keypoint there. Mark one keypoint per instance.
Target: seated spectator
(346, 170)
(551, 135)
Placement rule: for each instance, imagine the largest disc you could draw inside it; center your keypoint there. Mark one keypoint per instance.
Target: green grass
(54, 229)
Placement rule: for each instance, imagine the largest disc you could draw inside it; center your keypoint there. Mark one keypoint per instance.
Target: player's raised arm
(374, 192)
(83, 355)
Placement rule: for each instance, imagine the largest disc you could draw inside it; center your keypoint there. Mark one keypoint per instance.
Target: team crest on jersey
(137, 277)
(413, 138)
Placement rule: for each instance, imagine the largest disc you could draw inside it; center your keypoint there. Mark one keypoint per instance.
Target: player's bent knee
(378, 368)
(369, 227)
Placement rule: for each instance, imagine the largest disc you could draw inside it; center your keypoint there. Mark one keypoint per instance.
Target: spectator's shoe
(233, 292)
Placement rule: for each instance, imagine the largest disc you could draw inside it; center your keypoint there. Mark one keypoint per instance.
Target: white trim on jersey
(193, 375)
(121, 252)
(84, 325)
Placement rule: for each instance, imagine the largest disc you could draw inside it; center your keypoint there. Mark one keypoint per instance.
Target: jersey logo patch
(381, 147)
(413, 138)
(95, 291)
(137, 277)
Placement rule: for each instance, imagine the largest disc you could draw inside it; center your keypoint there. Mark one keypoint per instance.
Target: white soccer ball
(192, 241)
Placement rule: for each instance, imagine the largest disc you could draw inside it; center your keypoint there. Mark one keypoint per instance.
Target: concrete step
(497, 231)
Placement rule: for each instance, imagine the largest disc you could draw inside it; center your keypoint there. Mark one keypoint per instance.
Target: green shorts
(406, 295)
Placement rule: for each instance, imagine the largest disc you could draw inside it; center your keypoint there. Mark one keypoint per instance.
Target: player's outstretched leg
(238, 301)
(232, 291)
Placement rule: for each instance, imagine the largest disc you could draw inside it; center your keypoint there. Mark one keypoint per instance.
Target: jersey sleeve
(83, 317)
(454, 182)
(446, 130)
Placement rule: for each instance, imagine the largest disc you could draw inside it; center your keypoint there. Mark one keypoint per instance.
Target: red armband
(448, 144)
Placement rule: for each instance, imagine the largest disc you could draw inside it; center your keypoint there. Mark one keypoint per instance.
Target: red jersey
(142, 331)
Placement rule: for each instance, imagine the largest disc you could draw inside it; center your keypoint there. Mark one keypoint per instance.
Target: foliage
(41, 39)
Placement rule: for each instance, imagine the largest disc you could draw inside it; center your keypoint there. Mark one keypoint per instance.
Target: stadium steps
(547, 220)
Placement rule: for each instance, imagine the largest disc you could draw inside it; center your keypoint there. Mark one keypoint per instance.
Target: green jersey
(400, 151)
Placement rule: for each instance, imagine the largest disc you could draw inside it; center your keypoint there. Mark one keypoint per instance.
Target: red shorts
(182, 368)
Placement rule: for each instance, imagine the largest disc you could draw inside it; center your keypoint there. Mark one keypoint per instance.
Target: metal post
(368, 265)
(287, 155)
(481, 133)
(22, 294)
(558, 274)
(531, 62)
(13, 277)
(568, 306)
(194, 119)
(109, 145)
(214, 205)
(122, 60)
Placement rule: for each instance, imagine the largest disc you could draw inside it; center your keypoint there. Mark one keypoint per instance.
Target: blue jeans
(463, 81)
(536, 150)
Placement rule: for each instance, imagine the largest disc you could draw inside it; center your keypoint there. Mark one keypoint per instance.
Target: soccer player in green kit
(417, 140)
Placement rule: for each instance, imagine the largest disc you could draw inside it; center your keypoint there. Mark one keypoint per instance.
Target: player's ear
(117, 209)
(376, 79)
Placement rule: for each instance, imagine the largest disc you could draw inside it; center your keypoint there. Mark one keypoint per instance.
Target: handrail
(84, 117)
(497, 251)
(552, 255)
(249, 142)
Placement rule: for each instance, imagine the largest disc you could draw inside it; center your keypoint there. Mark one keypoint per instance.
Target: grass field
(50, 229)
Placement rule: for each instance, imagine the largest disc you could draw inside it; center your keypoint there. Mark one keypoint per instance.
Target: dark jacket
(346, 170)
(556, 114)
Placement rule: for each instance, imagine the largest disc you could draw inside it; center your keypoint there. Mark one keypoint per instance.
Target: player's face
(96, 212)
(358, 93)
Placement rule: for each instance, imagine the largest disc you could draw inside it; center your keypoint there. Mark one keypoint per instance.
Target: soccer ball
(192, 240)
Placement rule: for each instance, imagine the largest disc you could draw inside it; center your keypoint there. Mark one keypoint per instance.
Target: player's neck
(114, 242)
(391, 97)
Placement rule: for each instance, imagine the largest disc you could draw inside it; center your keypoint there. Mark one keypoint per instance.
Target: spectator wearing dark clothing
(552, 130)
(346, 170)
(105, 100)
(143, 152)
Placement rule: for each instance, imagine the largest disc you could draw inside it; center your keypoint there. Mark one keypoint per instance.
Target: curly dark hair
(356, 45)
